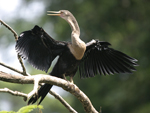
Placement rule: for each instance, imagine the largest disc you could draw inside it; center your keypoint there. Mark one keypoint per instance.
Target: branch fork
(35, 89)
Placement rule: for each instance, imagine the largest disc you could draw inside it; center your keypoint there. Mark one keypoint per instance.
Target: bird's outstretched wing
(100, 59)
(38, 48)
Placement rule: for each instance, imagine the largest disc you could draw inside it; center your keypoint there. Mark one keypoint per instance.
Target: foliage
(25, 109)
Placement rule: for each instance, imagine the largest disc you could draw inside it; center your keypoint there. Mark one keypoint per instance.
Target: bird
(90, 59)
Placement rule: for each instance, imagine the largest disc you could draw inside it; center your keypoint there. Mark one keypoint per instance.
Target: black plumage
(103, 60)
(40, 50)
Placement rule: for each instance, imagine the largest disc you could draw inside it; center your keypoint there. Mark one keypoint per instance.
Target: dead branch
(13, 69)
(26, 96)
(16, 93)
(16, 38)
(8, 27)
(72, 88)
(22, 65)
(57, 96)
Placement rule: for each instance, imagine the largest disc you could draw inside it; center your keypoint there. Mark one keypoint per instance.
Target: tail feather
(42, 92)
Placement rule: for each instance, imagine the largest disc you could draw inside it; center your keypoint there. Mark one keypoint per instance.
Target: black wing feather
(100, 59)
(124, 60)
(38, 48)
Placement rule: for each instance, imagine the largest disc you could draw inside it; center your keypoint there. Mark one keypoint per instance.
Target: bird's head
(65, 14)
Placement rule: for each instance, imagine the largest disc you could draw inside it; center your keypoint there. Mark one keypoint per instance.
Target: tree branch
(16, 93)
(8, 27)
(16, 38)
(13, 69)
(27, 96)
(58, 97)
(72, 88)
(22, 65)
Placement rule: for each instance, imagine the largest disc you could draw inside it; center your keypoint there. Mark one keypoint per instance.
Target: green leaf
(7, 112)
(29, 108)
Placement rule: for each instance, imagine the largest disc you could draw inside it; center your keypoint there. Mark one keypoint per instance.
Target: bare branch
(16, 93)
(58, 97)
(22, 65)
(27, 96)
(16, 38)
(72, 88)
(8, 27)
(13, 69)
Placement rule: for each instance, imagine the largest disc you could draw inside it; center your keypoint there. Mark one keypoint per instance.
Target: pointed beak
(54, 13)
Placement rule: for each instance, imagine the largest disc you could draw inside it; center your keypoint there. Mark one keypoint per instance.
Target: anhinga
(92, 58)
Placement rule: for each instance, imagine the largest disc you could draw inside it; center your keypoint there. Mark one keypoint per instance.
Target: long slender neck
(74, 26)
(77, 47)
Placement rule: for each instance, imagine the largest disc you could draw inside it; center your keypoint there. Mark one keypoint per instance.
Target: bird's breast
(77, 50)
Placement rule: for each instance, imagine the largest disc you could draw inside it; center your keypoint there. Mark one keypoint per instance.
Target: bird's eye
(62, 14)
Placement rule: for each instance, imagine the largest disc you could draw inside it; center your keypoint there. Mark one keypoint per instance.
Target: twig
(16, 93)
(57, 96)
(13, 69)
(7, 26)
(72, 88)
(22, 65)
(16, 38)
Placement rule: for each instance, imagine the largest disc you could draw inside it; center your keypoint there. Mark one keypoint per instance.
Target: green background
(123, 23)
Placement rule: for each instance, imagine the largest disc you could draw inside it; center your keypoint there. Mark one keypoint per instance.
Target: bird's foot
(64, 77)
(71, 80)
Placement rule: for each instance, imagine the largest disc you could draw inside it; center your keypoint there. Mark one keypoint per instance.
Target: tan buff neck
(74, 25)
(77, 47)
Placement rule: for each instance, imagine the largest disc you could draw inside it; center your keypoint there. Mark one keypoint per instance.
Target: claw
(71, 80)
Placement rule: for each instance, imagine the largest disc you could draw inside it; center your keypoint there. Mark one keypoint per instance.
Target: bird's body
(66, 65)
(91, 58)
